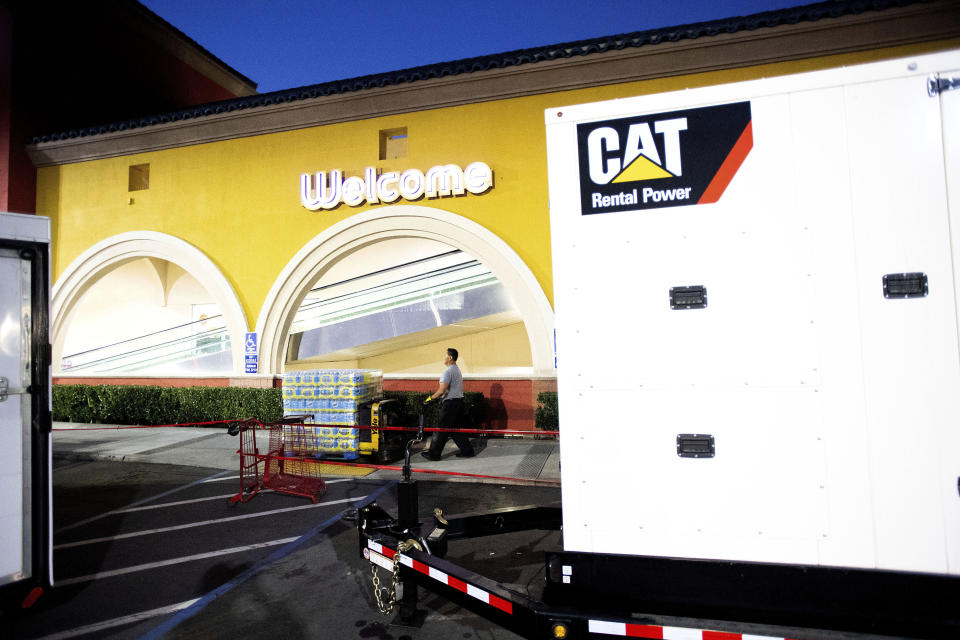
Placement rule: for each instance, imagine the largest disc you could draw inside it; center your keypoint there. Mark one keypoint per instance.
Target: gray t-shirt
(454, 382)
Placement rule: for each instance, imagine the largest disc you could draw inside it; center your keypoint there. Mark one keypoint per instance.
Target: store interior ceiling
(394, 295)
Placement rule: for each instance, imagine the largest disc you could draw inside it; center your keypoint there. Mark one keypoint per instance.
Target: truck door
(948, 86)
(898, 139)
(24, 413)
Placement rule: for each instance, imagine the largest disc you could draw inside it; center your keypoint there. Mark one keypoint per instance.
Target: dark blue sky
(282, 44)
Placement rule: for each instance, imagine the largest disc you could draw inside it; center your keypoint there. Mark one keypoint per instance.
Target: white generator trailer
(766, 273)
(26, 568)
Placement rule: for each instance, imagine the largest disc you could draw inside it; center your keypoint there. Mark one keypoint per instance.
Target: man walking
(451, 390)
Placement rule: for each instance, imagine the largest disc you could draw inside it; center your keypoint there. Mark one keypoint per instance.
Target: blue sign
(250, 352)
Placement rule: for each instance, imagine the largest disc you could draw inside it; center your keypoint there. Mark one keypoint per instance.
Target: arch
(399, 221)
(117, 250)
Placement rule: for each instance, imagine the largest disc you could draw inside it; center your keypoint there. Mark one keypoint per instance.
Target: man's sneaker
(461, 454)
(429, 456)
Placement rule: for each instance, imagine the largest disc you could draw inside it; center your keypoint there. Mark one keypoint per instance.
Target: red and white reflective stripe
(630, 630)
(381, 561)
(476, 592)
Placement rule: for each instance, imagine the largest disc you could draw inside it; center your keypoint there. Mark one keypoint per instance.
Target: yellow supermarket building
(371, 223)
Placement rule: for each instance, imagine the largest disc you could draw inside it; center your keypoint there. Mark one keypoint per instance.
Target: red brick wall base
(512, 403)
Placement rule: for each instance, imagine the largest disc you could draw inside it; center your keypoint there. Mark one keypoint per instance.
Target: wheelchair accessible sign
(250, 353)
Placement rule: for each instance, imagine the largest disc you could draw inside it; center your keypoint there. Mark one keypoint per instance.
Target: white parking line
(134, 505)
(179, 503)
(167, 563)
(182, 502)
(191, 525)
(233, 478)
(118, 622)
(139, 502)
(237, 479)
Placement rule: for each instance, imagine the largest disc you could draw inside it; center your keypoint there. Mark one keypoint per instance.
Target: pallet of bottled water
(332, 398)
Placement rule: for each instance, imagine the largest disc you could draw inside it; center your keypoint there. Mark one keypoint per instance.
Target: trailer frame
(590, 595)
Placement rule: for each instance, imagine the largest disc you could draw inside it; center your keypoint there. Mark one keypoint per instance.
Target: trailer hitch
(396, 587)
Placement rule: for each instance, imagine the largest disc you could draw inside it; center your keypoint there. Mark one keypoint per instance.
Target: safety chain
(387, 609)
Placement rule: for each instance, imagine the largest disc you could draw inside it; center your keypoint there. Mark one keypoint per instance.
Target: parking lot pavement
(522, 460)
(327, 589)
(132, 538)
(156, 550)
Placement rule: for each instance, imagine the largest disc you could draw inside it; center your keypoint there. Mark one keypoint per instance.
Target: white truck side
(26, 567)
(756, 293)
(780, 316)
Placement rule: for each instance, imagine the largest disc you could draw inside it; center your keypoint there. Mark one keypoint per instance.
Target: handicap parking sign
(250, 353)
(250, 343)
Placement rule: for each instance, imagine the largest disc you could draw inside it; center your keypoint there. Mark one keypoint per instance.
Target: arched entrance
(403, 221)
(111, 253)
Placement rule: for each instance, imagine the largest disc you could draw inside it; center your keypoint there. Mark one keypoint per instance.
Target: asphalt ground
(150, 550)
(513, 460)
(156, 550)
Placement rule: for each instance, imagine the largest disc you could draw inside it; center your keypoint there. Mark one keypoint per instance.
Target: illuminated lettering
(320, 191)
(371, 185)
(319, 197)
(308, 194)
(478, 177)
(411, 184)
(444, 180)
(353, 189)
(388, 194)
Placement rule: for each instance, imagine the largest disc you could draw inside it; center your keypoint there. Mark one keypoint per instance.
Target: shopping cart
(283, 468)
(250, 458)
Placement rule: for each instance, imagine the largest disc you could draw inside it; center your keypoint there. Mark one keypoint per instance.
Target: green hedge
(548, 412)
(411, 402)
(148, 405)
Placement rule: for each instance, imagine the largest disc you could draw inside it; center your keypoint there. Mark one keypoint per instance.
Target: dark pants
(450, 412)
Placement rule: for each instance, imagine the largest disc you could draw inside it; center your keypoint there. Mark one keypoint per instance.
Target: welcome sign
(320, 191)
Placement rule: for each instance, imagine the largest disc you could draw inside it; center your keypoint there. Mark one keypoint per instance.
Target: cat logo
(662, 160)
